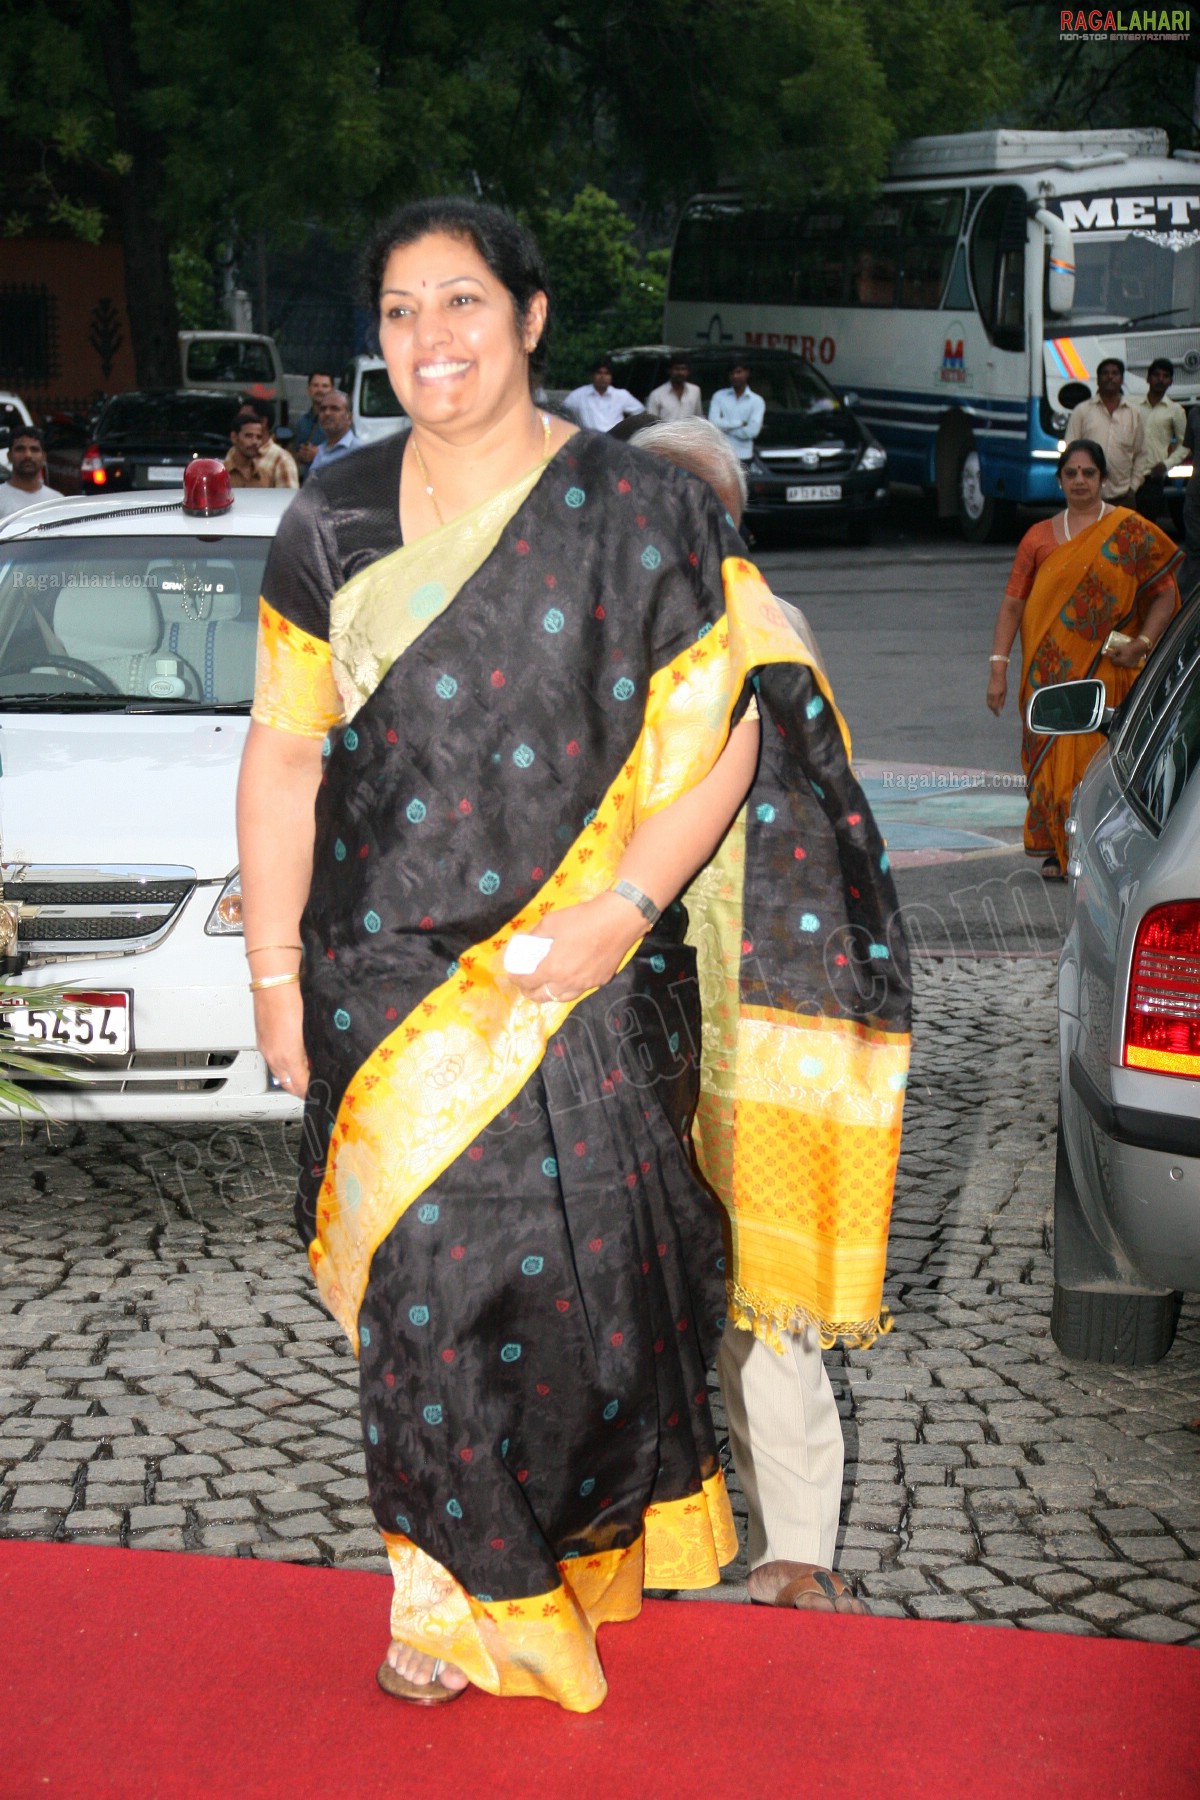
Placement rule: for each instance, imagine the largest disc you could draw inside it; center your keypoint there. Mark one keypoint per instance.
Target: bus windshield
(1133, 280)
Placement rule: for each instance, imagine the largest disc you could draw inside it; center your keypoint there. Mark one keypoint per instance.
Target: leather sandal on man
(426, 1693)
(806, 1587)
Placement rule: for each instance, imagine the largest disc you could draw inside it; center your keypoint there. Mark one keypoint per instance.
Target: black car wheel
(1128, 1330)
(1104, 1325)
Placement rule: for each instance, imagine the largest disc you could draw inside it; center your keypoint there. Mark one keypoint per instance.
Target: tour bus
(964, 308)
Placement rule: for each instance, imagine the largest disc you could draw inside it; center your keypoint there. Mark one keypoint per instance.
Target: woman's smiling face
(449, 334)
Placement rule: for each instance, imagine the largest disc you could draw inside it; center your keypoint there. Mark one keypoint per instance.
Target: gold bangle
(1141, 638)
(258, 948)
(270, 981)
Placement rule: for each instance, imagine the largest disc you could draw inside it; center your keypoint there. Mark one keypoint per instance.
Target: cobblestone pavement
(168, 1380)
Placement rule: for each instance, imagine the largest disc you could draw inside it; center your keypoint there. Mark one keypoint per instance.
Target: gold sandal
(427, 1693)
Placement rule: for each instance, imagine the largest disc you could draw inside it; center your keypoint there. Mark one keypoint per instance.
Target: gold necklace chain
(424, 472)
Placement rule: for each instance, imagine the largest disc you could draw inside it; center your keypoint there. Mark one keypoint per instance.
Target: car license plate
(832, 492)
(173, 475)
(88, 1025)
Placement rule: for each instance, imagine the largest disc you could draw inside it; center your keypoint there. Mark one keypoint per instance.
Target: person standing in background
(309, 435)
(677, 398)
(1110, 421)
(27, 483)
(252, 461)
(337, 424)
(1164, 429)
(738, 411)
(274, 460)
(598, 405)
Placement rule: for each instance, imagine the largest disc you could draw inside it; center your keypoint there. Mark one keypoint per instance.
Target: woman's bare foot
(424, 1670)
(806, 1587)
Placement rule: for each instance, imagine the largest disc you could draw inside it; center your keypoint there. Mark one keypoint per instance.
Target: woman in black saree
(503, 673)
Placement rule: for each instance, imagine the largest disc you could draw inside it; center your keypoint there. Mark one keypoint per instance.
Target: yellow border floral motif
(544, 1645)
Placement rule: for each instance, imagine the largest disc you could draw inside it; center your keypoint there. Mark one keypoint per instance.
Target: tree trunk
(150, 295)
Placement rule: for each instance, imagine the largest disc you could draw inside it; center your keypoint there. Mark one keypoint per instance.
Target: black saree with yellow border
(510, 1206)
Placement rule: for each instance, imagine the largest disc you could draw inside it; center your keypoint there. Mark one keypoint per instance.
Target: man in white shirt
(598, 405)
(1164, 428)
(738, 411)
(337, 424)
(1110, 421)
(677, 398)
(26, 485)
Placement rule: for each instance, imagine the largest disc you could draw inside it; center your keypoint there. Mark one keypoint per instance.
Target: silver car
(1127, 1183)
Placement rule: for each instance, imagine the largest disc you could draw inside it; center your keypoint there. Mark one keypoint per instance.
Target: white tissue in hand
(523, 953)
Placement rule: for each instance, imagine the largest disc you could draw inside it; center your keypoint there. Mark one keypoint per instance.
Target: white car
(127, 646)
(374, 408)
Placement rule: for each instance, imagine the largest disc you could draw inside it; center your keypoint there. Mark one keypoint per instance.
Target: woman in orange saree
(1091, 571)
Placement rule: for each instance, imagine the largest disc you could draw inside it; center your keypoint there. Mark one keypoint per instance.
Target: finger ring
(285, 1081)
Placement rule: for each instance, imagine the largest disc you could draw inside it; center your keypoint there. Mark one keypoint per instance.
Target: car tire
(982, 519)
(1128, 1330)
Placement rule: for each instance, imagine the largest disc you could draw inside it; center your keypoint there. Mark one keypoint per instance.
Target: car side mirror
(1069, 708)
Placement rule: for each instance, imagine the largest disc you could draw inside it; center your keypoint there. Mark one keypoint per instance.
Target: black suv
(813, 461)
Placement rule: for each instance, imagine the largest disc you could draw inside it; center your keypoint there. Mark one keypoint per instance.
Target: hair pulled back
(1094, 451)
(509, 249)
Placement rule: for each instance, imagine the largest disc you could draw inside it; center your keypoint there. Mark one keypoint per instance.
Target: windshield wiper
(1171, 312)
(60, 702)
(138, 703)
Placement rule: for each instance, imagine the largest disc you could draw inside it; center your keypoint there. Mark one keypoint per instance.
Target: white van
(373, 406)
(240, 362)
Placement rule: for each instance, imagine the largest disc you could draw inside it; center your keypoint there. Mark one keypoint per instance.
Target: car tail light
(92, 467)
(1162, 1018)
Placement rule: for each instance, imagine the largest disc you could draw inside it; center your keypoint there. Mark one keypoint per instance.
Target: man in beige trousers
(784, 1428)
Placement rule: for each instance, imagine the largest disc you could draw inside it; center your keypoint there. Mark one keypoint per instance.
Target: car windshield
(786, 383)
(167, 418)
(1156, 690)
(375, 397)
(166, 622)
(229, 359)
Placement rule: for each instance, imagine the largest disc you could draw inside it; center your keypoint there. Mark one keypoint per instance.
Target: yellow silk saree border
(797, 1130)
(544, 1645)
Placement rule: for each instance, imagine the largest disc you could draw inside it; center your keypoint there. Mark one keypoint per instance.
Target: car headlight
(225, 919)
(873, 457)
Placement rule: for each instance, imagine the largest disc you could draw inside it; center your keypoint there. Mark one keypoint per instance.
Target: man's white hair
(703, 450)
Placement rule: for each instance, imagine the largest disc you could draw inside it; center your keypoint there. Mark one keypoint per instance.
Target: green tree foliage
(605, 292)
(244, 119)
(1067, 86)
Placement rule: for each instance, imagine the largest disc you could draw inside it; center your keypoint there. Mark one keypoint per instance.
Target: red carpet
(138, 1675)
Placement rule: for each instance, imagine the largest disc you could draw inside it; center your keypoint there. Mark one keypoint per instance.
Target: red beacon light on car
(207, 488)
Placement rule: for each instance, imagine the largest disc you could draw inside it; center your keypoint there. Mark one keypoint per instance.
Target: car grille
(141, 1071)
(86, 911)
(833, 460)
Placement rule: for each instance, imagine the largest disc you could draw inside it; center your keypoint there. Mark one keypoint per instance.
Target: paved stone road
(168, 1380)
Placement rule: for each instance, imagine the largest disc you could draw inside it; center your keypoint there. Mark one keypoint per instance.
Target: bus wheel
(982, 519)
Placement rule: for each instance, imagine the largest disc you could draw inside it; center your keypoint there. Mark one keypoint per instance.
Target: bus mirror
(1060, 266)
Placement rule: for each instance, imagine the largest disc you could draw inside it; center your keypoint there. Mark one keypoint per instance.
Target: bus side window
(930, 232)
(998, 265)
